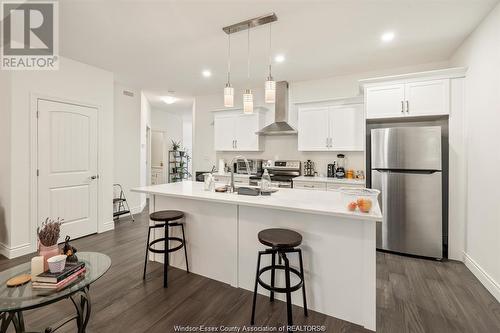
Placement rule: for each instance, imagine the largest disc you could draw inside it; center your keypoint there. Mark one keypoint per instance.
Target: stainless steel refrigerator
(406, 166)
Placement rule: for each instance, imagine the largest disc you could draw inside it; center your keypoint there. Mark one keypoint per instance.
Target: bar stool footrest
(279, 289)
(178, 247)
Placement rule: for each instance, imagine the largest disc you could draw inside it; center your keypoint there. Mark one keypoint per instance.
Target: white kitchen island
(221, 235)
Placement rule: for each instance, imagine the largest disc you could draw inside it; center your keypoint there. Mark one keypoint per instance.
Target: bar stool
(281, 241)
(166, 219)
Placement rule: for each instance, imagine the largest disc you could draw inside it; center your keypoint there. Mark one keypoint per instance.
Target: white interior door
(67, 164)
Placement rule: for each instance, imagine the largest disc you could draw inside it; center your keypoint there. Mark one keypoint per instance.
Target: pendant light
(228, 90)
(248, 96)
(270, 85)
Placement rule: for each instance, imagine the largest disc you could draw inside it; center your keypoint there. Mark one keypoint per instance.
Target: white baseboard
(138, 209)
(487, 281)
(16, 251)
(107, 226)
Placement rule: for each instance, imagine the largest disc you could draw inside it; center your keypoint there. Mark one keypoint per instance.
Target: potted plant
(176, 145)
(48, 235)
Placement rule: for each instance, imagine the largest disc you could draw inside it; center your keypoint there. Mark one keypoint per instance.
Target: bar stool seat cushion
(166, 215)
(280, 238)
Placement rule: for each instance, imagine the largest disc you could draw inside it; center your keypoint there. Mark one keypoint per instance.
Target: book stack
(48, 280)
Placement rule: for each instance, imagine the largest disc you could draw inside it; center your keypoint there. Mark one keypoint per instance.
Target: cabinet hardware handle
(236, 144)
(407, 107)
(402, 107)
(331, 142)
(326, 142)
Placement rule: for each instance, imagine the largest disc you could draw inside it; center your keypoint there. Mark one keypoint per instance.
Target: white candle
(36, 266)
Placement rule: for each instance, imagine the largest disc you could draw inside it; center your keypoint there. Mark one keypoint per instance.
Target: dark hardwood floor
(413, 295)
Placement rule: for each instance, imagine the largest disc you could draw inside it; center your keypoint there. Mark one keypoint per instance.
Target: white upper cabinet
(410, 95)
(331, 128)
(224, 132)
(347, 128)
(235, 131)
(385, 101)
(428, 98)
(313, 131)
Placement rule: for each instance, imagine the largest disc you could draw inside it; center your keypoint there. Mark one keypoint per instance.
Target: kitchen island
(221, 232)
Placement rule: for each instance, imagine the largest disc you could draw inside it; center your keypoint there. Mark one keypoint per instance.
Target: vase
(47, 252)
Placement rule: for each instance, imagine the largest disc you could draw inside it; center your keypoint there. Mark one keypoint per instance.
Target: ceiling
(164, 45)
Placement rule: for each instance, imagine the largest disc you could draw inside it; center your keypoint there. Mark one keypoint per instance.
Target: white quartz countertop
(297, 200)
(330, 180)
(236, 175)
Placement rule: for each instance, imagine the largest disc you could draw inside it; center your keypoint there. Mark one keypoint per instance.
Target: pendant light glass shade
(270, 90)
(228, 96)
(248, 96)
(270, 85)
(228, 90)
(248, 102)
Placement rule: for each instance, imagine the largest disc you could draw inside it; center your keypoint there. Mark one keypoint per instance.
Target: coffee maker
(330, 172)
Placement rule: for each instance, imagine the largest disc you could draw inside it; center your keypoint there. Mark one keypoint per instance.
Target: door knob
(94, 177)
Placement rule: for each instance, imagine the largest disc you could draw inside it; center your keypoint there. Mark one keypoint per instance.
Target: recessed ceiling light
(279, 58)
(169, 99)
(387, 36)
(206, 73)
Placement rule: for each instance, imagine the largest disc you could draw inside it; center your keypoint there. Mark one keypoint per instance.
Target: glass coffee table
(15, 300)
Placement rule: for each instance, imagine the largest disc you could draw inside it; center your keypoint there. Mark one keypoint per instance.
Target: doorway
(159, 157)
(67, 166)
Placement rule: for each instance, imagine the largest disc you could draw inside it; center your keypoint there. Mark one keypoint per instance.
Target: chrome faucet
(231, 165)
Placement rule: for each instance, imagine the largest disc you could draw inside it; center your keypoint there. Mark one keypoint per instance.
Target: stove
(281, 172)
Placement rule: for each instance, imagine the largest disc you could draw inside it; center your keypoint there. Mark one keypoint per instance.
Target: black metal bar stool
(281, 241)
(166, 219)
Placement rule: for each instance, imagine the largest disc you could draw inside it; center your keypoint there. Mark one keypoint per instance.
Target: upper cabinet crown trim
(448, 73)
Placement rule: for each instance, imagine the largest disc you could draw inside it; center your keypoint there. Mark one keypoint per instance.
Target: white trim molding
(16, 251)
(106, 226)
(488, 282)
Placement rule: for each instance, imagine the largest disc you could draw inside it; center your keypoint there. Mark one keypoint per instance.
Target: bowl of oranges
(359, 199)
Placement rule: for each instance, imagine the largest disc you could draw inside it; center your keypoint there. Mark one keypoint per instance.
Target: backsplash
(285, 148)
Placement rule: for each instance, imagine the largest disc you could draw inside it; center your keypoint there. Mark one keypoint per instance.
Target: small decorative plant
(176, 145)
(49, 233)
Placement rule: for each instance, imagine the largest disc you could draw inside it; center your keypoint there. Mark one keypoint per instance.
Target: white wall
(74, 81)
(168, 122)
(187, 136)
(285, 147)
(5, 151)
(145, 123)
(481, 53)
(127, 142)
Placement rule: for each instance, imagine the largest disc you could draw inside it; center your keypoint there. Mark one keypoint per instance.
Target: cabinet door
(428, 98)
(224, 132)
(318, 186)
(347, 127)
(313, 129)
(385, 101)
(245, 127)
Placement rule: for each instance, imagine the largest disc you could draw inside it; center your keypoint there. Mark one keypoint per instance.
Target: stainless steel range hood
(280, 125)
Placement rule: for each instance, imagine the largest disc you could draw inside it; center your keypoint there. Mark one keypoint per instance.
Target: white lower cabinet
(235, 131)
(310, 185)
(226, 179)
(335, 187)
(323, 185)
